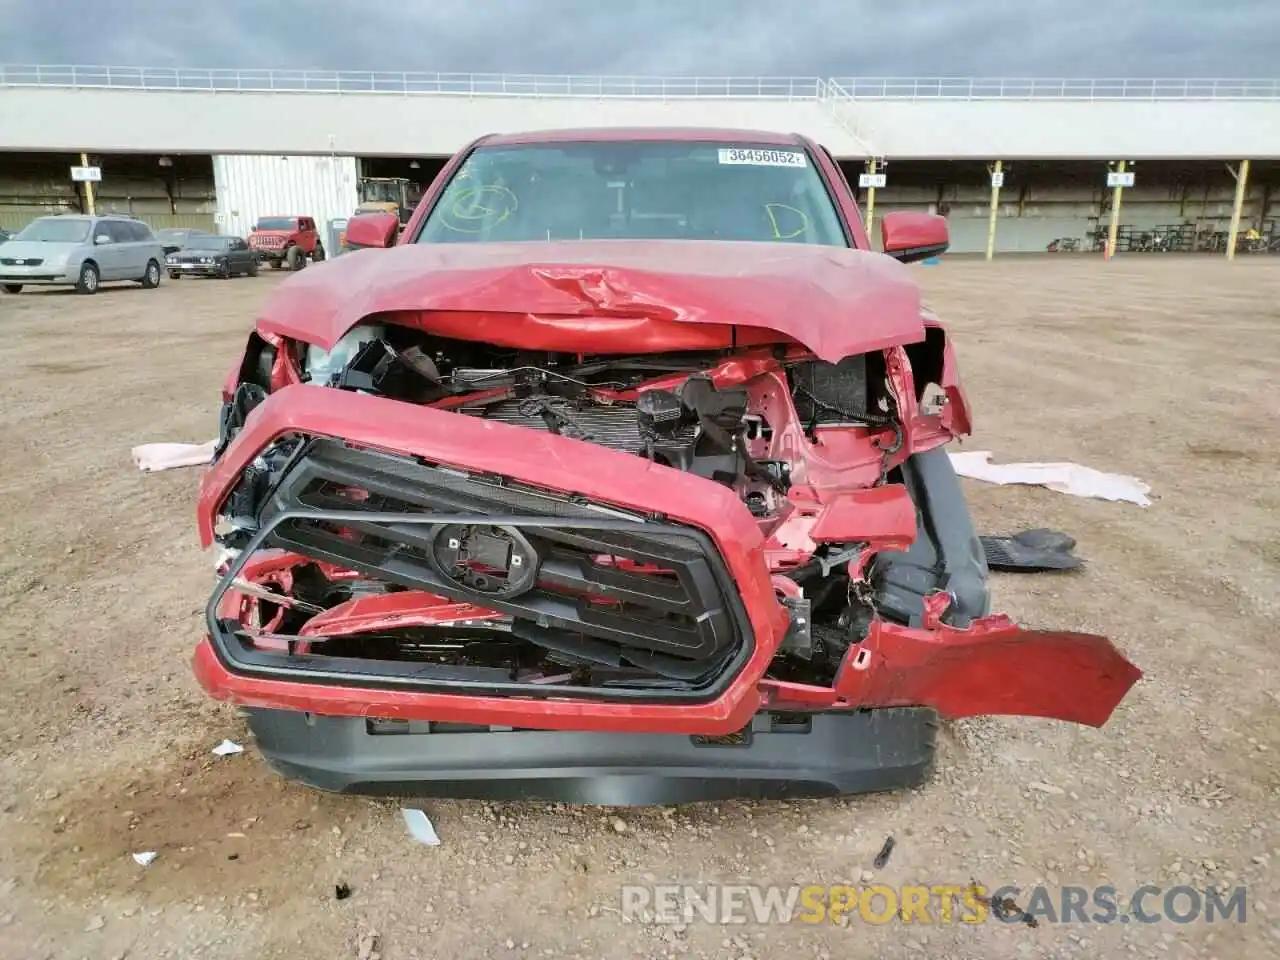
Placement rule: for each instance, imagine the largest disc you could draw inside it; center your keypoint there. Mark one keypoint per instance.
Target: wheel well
(90, 262)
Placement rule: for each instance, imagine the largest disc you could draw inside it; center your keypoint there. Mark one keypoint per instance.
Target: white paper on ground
(1070, 478)
(146, 858)
(151, 457)
(226, 748)
(420, 826)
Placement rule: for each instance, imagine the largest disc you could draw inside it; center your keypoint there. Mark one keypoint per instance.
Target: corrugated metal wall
(250, 187)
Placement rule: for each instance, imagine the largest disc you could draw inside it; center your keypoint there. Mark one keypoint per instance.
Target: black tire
(89, 278)
(276, 264)
(317, 255)
(225, 272)
(253, 268)
(295, 258)
(13, 288)
(151, 278)
(174, 274)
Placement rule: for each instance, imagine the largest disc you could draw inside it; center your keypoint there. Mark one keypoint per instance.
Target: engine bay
(690, 411)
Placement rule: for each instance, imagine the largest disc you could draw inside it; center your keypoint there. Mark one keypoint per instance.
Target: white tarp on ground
(1070, 478)
(165, 456)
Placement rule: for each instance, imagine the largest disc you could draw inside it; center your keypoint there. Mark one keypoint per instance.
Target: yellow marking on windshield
(769, 209)
(477, 209)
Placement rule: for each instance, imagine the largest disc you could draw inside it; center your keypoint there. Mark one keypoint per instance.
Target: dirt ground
(1163, 368)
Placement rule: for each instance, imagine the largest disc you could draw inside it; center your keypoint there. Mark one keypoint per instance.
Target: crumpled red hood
(834, 301)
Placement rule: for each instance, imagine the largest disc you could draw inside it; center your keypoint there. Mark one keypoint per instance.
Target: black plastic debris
(1003, 908)
(1031, 551)
(341, 891)
(882, 858)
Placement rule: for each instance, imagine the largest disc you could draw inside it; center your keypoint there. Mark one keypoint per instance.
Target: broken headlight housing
(320, 366)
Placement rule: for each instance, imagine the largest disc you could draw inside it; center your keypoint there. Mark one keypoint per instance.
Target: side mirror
(101, 238)
(909, 237)
(372, 230)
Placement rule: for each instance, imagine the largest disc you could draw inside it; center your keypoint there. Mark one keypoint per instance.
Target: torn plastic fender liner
(993, 667)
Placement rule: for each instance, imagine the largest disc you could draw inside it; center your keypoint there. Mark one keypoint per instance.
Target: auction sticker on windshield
(763, 158)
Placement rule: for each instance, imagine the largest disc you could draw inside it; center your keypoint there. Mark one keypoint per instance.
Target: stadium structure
(1016, 165)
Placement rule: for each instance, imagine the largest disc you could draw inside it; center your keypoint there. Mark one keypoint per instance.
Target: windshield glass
(56, 230)
(207, 243)
(173, 233)
(657, 190)
(275, 223)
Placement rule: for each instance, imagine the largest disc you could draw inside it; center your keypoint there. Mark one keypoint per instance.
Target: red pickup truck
(620, 477)
(286, 241)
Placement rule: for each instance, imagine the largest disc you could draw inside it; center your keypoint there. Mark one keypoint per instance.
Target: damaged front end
(463, 568)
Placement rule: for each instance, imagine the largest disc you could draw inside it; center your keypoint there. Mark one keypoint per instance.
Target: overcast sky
(958, 38)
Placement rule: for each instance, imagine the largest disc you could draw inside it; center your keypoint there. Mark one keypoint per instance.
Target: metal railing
(632, 87)
(464, 84)
(977, 88)
(840, 106)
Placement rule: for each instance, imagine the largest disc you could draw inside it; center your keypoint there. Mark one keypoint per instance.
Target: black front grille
(647, 592)
(19, 262)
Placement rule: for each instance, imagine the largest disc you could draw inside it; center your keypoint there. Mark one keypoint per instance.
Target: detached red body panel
(626, 520)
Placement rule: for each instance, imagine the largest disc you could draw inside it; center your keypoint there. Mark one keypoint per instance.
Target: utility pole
(1115, 212)
(88, 187)
(997, 181)
(1242, 189)
(871, 194)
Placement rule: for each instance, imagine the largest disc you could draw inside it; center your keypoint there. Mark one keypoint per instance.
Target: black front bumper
(778, 757)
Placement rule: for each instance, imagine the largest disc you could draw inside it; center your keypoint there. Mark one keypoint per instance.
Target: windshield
(275, 223)
(207, 243)
(56, 230)
(659, 190)
(172, 233)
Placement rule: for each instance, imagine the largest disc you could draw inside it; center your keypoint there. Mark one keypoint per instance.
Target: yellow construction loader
(396, 195)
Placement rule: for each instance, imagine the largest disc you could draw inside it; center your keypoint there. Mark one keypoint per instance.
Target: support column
(88, 187)
(1242, 189)
(871, 196)
(997, 181)
(1115, 214)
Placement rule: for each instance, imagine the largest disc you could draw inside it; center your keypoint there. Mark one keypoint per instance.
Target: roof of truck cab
(624, 134)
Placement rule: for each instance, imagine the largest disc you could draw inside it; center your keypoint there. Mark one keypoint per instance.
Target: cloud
(962, 38)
